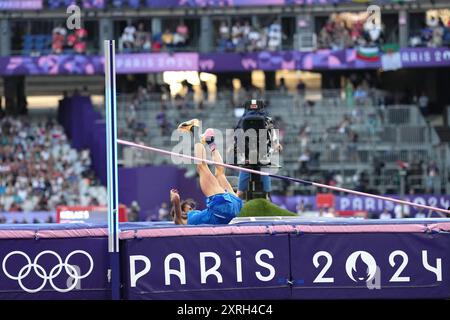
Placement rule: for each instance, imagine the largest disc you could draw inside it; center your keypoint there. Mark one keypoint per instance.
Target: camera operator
(256, 109)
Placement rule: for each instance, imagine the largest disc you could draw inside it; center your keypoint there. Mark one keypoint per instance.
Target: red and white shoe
(208, 138)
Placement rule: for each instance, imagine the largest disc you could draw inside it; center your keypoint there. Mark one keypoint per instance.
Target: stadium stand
(340, 144)
(39, 170)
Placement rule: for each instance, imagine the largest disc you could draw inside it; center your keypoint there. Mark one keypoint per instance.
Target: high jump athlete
(222, 203)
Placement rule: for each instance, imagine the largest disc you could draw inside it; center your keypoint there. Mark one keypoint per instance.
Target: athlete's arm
(175, 200)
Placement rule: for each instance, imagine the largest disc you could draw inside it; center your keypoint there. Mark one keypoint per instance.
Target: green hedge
(263, 208)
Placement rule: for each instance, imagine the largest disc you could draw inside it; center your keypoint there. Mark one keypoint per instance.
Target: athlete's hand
(174, 195)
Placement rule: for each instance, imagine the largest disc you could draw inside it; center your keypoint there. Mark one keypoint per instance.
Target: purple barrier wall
(54, 269)
(287, 265)
(323, 60)
(217, 62)
(236, 3)
(98, 149)
(77, 116)
(370, 266)
(337, 260)
(101, 4)
(247, 267)
(83, 64)
(21, 5)
(86, 130)
(150, 186)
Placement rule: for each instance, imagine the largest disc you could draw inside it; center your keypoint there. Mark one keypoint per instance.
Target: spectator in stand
(426, 34)
(401, 210)
(204, 88)
(182, 35)
(156, 43)
(300, 208)
(341, 38)
(58, 39)
(128, 37)
(254, 40)
(143, 38)
(343, 125)
(178, 40)
(161, 120)
(446, 37)
(224, 31)
(282, 86)
(262, 43)
(438, 35)
(164, 213)
(247, 38)
(434, 33)
(308, 107)
(167, 38)
(303, 134)
(303, 161)
(94, 202)
(236, 33)
(361, 94)
(131, 112)
(325, 38)
(423, 104)
(385, 214)
(352, 147)
(133, 212)
(224, 42)
(356, 32)
(80, 45)
(275, 36)
(70, 41)
(15, 207)
(301, 87)
(432, 180)
(420, 214)
(246, 28)
(358, 115)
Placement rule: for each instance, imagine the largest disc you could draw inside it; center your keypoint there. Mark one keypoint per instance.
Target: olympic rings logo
(54, 272)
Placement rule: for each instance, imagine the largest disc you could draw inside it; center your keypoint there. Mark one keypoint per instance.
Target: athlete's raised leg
(219, 172)
(208, 182)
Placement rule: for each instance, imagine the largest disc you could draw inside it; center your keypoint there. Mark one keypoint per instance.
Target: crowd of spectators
(141, 40)
(137, 130)
(39, 170)
(435, 33)
(244, 37)
(65, 42)
(340, 135)
(339, 33)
